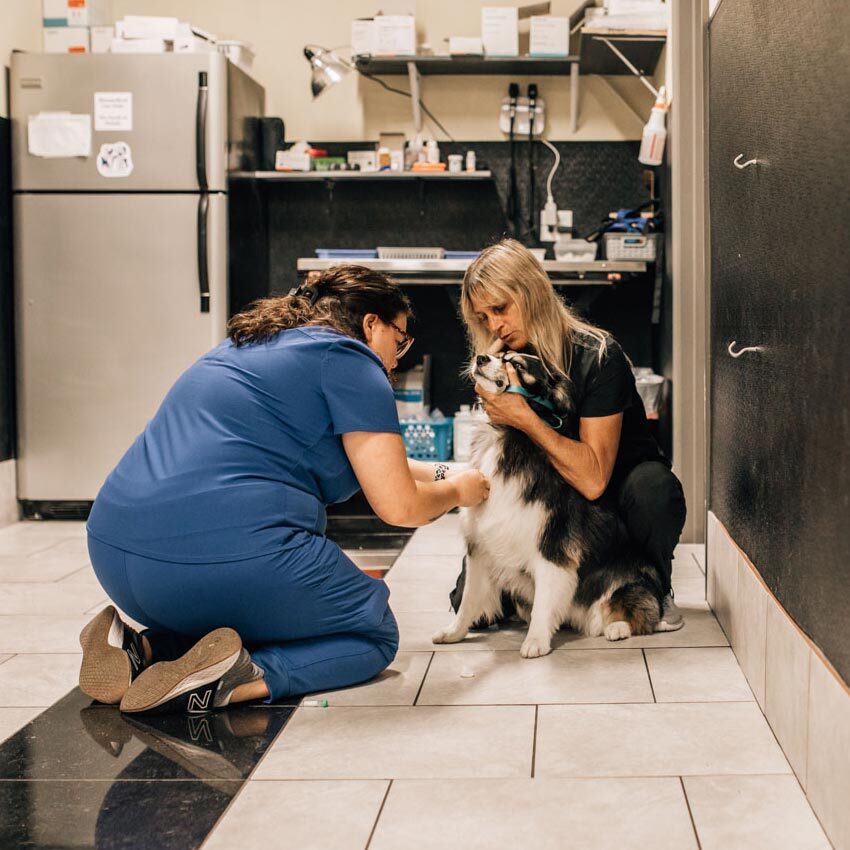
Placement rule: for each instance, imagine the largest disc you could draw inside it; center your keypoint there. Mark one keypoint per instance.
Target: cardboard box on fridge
(65, 39)
(76, 13)
(101, 39)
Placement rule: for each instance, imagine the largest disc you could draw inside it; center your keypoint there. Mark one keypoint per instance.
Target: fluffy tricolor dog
(564, 559)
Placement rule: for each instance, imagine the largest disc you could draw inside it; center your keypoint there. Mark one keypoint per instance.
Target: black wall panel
(593, 179)
(780, 252)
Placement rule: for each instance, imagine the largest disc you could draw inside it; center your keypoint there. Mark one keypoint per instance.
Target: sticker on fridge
(113, 111)
(115, 159)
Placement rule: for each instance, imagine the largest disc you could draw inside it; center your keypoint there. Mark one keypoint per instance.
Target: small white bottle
(433, 151)
(655, 132)
(470, 160)
(464, 425)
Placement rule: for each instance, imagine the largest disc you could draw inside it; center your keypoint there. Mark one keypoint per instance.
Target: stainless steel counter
(451, 271)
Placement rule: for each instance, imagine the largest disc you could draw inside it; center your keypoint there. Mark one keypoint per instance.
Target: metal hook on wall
(750, 348)
(746, 164)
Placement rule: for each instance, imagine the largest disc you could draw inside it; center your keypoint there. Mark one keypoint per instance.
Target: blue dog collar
(543, 402)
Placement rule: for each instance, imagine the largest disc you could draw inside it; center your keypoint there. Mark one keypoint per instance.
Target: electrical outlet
(549, 222)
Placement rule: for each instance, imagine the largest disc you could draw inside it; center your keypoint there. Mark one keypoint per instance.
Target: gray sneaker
(671, 617)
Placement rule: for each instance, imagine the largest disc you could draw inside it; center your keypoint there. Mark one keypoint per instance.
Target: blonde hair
(508, 271)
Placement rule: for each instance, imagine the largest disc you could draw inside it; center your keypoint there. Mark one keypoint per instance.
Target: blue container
(461, 255)
(427, 439)
(347, 253)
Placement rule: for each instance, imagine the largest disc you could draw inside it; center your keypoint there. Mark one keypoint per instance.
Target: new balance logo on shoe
(198, 704)
(135, 659)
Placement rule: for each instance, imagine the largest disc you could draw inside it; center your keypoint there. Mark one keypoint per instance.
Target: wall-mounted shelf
(641, 47)
(378, 176)
(445, 65)
(596, 272)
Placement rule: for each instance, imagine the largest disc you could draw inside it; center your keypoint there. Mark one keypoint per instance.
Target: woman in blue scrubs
(212, 524)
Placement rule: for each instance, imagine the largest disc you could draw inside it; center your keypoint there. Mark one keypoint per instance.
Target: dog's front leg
(479, 598)
(554, 589)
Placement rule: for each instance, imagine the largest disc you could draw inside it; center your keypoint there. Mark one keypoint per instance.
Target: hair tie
(311, 293)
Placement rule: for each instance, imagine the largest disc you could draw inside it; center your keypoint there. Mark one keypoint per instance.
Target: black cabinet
(780, 281)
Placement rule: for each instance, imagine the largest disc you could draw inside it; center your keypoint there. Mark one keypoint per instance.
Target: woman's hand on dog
(472, 487)
(505, 408)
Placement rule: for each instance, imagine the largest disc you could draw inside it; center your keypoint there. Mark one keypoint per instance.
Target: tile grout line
(246, 779)
(424, 677)
(534, 741)
(378, 816)
(690, 813)
(649, 675)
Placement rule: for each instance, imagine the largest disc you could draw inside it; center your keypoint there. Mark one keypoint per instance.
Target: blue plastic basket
(346, 253)
(461, 255)
(427, 439)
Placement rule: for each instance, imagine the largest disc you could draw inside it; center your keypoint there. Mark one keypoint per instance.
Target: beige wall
(359, 109)
(20, 29)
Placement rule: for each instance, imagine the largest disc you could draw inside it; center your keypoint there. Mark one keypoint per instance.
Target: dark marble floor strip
(82, 775)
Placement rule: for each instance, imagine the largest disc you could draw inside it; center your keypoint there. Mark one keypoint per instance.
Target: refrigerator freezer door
(108, 317)
(158, 122)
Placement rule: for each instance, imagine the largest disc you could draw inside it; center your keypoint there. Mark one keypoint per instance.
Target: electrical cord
(549, 196)
(353, 65)
(532, 105)
(513, 94)
(406, 94)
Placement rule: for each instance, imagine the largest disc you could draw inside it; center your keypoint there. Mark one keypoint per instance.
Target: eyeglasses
(406, 341)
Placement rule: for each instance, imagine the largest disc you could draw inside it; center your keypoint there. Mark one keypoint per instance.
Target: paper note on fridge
(59, 134)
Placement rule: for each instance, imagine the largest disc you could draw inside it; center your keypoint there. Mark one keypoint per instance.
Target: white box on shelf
(75, 13)
(139, 45)
(101, 39)
(148, 26)
(461, 45)
(550, 36)
(500, 30)
(65, 39)
(363, 36)
(395, 35)
(289, 161)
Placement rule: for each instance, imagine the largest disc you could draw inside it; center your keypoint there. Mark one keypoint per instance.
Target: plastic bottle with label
(655, 132)
(466, 423)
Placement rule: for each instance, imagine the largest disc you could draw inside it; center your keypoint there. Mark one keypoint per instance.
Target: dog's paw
(448, 635)
(618, 630)
(533, 647)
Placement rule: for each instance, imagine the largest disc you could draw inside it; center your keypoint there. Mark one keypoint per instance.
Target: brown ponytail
(338, 298)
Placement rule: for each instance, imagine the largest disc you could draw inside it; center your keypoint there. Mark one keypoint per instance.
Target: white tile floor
(654, 741)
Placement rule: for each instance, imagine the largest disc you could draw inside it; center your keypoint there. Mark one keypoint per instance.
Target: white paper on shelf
(59, 134)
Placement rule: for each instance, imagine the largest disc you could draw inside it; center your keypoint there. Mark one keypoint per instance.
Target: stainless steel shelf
(318, 176)
(451, 271)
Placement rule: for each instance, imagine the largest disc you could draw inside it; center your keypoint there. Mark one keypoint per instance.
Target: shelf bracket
(413, 76)
(619, 54)
(574, 69)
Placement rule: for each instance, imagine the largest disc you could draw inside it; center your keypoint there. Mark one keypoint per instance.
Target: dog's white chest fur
(505, 529)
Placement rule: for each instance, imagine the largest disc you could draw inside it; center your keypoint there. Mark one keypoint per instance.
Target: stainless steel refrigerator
(121, 252)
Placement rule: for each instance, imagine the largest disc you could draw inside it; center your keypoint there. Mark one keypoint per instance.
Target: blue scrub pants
(311, 619)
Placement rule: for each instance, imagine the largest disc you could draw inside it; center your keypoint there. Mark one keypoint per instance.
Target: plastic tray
(630, 246)
(346, 253)
(404, 253)
(427, 439)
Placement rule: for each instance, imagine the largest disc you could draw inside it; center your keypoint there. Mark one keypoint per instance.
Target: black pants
(651, 503)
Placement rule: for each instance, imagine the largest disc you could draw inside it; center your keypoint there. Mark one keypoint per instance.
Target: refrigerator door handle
(203, 269)
(201, 132)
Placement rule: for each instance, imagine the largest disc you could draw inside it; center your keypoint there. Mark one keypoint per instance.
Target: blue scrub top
(246, 450)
